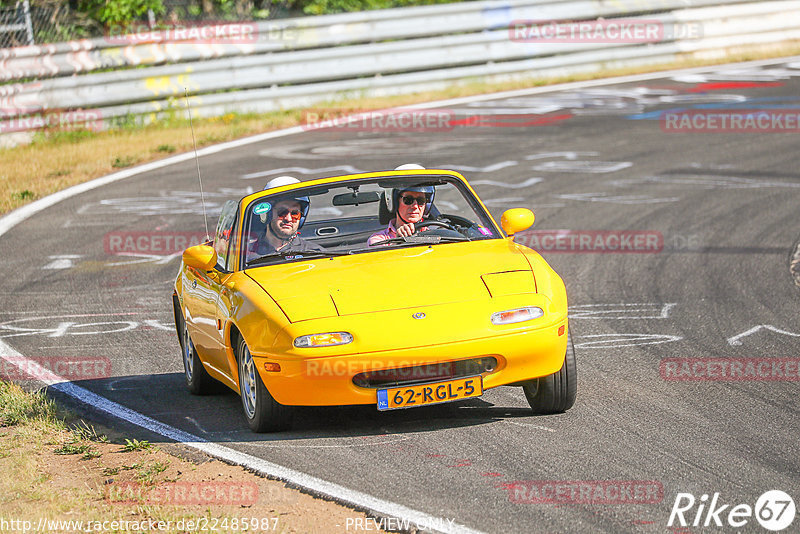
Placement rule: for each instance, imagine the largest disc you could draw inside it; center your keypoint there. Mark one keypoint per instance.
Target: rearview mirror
(354, 199)
(201, 257)
(516, 220)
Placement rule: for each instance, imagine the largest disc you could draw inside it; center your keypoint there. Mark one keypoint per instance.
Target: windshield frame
(323, 186)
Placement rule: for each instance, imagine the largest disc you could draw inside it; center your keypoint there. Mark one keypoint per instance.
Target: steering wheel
(437, 223)
(456, 220)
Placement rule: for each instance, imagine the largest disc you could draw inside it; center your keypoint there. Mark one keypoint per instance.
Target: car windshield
(358, 217)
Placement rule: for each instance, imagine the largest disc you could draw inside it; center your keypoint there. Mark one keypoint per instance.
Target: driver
(409, 206)
(284, 220)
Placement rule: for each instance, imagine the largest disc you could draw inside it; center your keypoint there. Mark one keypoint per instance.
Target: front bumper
(522, 354)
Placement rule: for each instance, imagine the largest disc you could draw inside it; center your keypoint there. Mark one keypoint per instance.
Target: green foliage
(81, 436)
(110, 12)
(17, 406)
(136, 445)
(123, 12)
(146, 473)
(324, 7)
(73, 448)
(120, 162)
(61, 32)
(87, 432)
(68, 135)
(124, 122)
(26, 194)
(91, 454)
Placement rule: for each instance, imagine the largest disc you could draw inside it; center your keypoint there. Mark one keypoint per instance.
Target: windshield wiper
(425, 239)
(452, 238)
(414, 240)
(305, 254)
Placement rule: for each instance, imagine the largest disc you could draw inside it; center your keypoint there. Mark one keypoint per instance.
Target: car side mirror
(516, 220)
(201, 257)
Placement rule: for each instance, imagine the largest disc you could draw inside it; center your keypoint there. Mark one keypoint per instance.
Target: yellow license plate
(423, 394)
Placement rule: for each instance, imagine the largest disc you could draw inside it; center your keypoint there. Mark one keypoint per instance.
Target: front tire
(263, 413)
(555, 393)
(198, 381)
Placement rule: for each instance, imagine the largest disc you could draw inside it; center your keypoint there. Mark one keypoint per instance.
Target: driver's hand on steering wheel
(406, 230)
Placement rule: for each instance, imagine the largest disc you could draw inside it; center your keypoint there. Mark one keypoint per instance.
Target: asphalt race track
(720, 210)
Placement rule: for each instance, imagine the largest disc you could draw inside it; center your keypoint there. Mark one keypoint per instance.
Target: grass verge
(60, 474)
(59, 159)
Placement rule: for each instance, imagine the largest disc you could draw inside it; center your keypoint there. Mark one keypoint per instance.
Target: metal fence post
(26, 9)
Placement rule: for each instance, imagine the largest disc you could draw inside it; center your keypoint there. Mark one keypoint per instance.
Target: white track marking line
(309, 483)
(338, 493)
(736, 340)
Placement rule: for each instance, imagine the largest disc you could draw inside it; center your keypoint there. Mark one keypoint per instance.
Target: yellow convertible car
(395, 289)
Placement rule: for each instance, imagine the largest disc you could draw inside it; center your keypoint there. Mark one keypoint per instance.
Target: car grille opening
(423, 374)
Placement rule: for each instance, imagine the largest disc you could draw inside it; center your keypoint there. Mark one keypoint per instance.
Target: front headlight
(517, 315)
(328, 339)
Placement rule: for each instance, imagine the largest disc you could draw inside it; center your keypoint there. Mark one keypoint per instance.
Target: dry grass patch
(57, 160)
(57, 468)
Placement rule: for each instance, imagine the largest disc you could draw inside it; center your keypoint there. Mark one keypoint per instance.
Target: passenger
(409, 206)
(284, 221)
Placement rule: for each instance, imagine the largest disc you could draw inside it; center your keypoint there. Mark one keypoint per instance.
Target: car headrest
(384, 215)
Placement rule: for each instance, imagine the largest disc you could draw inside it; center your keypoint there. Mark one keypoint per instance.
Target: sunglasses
(407, 200)
(295, 213)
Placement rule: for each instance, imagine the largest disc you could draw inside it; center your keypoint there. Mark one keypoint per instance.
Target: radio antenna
(197, 162)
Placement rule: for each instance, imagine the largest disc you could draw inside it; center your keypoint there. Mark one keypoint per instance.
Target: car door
(203, 294)
(227, 263)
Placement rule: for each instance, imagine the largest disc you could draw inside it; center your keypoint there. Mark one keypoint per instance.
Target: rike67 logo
(774, 510)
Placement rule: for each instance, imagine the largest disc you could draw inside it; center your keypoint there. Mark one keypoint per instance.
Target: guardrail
(296, 62)
(160, 47)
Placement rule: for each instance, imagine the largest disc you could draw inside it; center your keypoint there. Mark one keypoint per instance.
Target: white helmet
(281, 180)
(305, 202)
(392, 196)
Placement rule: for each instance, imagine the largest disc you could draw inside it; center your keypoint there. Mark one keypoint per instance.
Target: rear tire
(555, 393)
(263, 413)
(198, 381)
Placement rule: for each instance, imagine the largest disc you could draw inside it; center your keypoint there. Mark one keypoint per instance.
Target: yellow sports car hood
(396, 278)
